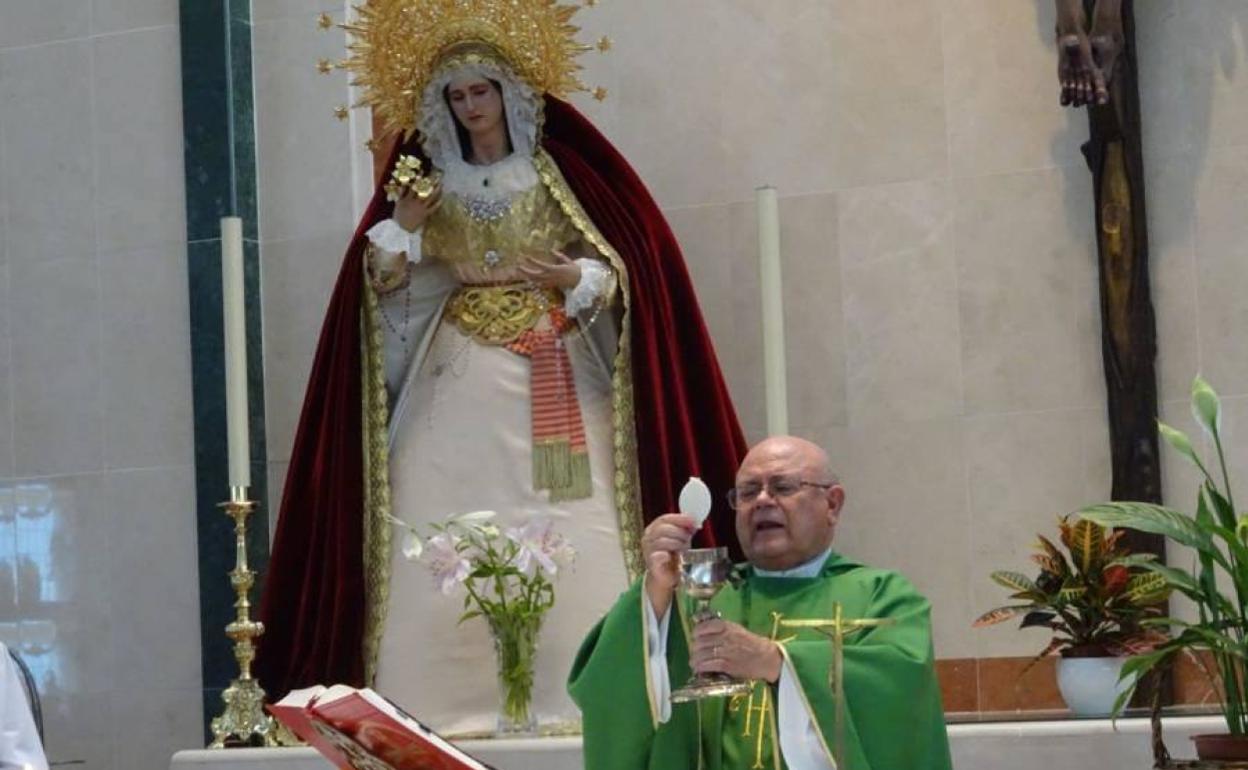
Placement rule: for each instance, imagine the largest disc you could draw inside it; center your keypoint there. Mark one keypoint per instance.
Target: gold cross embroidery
(836, 629)
(764, 711)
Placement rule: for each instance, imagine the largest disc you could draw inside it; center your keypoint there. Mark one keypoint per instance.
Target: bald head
(808, 455)
(789, 502)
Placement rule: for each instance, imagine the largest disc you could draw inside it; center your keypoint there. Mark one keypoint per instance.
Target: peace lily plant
(1218, 581)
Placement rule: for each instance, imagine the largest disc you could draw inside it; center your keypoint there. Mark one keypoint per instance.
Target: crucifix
(1097, 69)
(837, 628)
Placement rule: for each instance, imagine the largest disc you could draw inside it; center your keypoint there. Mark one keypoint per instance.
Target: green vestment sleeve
(611, 685)
(893, 716)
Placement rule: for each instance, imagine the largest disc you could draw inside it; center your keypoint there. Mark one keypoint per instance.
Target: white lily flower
(447, 564)
(473, 518)
(412, 545)
(533, 540)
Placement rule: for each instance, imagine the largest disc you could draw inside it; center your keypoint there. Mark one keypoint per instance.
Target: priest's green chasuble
(892, 719)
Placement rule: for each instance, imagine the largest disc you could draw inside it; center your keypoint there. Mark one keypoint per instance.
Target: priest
(787, 504)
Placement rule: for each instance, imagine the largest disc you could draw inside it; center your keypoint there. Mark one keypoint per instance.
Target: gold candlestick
(244, 719)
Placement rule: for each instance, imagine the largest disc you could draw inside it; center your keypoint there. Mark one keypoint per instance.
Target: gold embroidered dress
(462, 439)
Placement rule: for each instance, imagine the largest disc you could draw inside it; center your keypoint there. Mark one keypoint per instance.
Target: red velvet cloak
(313, 606)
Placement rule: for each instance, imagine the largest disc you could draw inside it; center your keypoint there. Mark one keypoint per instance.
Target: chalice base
(712, 685)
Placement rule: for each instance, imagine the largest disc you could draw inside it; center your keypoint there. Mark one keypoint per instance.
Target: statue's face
(477, 104)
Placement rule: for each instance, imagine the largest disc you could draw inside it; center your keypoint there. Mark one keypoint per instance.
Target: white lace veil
(436, 123)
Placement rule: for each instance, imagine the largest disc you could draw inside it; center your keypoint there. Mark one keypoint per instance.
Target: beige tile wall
(97, 514)
(940, 279)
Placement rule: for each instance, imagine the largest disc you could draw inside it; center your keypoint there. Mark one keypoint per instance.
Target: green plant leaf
(1179, 441)
(1072, 593)
(1150, 588)
(1054, 553)
(1015, 581)
(1038, 619)
(998, 615)
(1087, 543)
(1147, 517)
(1206, 407)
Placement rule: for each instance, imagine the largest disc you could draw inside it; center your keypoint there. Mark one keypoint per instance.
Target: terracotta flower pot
(1221, 746)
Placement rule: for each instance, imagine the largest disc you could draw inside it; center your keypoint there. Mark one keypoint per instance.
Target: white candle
(773, 312)
(235, 314)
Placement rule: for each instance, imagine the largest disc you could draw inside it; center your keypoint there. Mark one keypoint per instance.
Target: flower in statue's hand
(448, 565)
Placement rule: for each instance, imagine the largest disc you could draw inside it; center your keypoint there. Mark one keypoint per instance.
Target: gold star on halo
(600, 93)
(324, 21)
(324, 66)
(341, 112)
(604, 44)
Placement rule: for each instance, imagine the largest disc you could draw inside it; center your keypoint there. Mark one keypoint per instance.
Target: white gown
(461, 440)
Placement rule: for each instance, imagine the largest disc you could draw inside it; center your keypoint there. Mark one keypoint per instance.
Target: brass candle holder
(244, 721)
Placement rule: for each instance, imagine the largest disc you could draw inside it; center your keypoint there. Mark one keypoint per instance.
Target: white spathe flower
(448, 565)
(540, 547)
(413, 547)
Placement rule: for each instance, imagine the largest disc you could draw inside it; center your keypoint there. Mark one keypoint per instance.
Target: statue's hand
(559, 272)
(411, 211)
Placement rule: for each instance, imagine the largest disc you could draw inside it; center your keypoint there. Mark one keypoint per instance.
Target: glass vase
(515, 646)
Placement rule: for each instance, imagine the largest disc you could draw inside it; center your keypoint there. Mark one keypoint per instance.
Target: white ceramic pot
(1090, 685)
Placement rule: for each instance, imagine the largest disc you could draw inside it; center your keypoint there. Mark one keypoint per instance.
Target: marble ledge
(975, 746)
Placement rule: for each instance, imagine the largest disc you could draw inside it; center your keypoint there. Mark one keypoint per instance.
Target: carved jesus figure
(1087, 56)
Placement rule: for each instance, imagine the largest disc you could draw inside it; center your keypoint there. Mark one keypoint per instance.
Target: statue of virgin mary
(524, 339)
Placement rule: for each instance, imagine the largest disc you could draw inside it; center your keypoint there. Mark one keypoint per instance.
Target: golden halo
(398, 45)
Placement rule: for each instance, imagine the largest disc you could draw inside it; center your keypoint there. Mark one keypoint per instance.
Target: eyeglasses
(777, 487)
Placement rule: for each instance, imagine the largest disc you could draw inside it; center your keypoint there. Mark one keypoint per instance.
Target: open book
(361, 730)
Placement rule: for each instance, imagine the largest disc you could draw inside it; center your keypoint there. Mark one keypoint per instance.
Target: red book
(292, 711)
(356, 728)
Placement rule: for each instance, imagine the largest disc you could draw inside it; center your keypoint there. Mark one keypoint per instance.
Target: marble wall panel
(122, 15)
(1023, 471)
(29, 23)
(268, 10)
(55, 314)
(146, 365)
(814, 316)
(49, 172)
(901, 303)
(1027, 281)
(6, 379)
(152, 514)
(297, 278)
(137, 140)
(303, 154)
(1222, 280)
(1172, 257)
(1001, 89)
(906, 509)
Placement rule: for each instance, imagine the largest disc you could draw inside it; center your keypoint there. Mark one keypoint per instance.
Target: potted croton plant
(1092, 603)
(1217, 583)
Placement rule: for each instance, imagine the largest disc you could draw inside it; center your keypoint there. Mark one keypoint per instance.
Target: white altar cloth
(1091, 743)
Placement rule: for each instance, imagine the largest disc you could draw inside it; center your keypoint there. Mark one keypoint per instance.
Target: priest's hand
(661, 545)
(724, 646)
